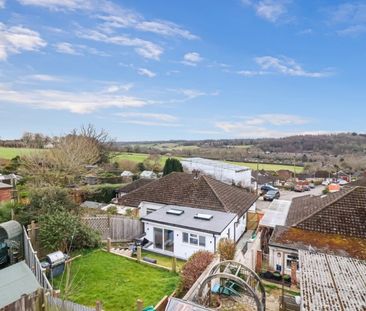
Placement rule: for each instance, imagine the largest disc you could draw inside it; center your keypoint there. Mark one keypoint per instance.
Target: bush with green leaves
(43, 201)
(5, 211)
(64, 231)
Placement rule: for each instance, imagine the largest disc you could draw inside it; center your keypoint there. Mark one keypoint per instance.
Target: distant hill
(334, 144)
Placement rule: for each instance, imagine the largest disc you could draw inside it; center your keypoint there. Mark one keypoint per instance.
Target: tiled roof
(135, 185)
(186, 190)
(297, 239)
(343, 212)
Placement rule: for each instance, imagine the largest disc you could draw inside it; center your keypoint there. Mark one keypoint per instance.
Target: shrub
(226, 249)
(64, 231)
(192, 270)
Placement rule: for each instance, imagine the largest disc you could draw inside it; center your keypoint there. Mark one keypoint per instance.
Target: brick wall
(5, 194)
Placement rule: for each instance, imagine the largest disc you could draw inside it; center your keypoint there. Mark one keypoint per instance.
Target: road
(289, 195)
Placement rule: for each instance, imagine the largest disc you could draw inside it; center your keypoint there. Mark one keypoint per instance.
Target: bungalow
(133, 186)
(148, 175)
(127, 176)
(334, 223)
(200, 206)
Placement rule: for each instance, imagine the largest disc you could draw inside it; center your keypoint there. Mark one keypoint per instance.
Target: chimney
(196, 174)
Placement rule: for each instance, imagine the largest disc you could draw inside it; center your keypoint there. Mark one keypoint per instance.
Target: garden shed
(11, 235)
(10, 230)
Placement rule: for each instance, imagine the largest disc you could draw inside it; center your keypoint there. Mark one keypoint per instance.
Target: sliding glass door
(164, 239)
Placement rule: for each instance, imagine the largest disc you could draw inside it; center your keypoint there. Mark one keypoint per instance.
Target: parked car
(271, 195)
(265, 188)
(299, 188)
(325, 183)
(312, 185)
(306, 187)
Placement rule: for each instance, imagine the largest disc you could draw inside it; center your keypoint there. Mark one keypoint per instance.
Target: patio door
(164, 239)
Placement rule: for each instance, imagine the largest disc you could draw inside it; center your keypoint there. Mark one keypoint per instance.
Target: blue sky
(152, 70)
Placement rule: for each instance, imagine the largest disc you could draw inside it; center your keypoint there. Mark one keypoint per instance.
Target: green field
(117, 282)
(140, 157)
(9, 153)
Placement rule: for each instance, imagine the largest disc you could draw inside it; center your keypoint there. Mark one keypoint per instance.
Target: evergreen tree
(172, 165)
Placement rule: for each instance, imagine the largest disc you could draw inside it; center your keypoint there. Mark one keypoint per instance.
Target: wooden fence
(31, 302)
(118, 228)
(33, 262)
(54, 303)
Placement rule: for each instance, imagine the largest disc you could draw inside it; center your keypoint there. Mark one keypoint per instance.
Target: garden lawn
(163, 260)
(117, 282)
(9, 153)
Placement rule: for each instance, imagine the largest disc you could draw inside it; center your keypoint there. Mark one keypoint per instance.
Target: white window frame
(194, 236)
(290, 260)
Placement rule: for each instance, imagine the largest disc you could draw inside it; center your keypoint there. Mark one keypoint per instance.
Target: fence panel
(33, 262)
(99, 224)
(118, 228)
(65, 305)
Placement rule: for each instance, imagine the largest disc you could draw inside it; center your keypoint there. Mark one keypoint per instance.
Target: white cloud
(281, 65)
(265, 125)
(44, 78)
(61, 5)
(115, 16)
(76, 102)
(144, 48)
(16, 39)
(2, 4)
(151, 116)
(152, 123)
(191, 93)
(66, 48)
(77, 49)
(349, 17)
(129, 19)
(286, 66)
(114, 88)
(271, 10)
(146, 72)
(192, 58)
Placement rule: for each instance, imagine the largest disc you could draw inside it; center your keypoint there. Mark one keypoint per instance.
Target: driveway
(289, 195)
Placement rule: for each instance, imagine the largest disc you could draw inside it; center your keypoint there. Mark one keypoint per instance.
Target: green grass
(117, 282)
(163, 260)
(9, 153)
(140, 157)
(135, 157)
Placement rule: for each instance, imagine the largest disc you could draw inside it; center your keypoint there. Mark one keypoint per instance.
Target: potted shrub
(287, 278)
(277, 276)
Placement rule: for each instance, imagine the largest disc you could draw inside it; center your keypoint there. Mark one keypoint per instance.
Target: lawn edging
(140, 261)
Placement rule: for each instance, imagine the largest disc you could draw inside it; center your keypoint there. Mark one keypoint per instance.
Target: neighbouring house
(133, 186)
(331, 282)
(92, 205)
(91, 179)
(127, 176)
(148, 175)
(225, 172)
(260, 178)
(11, 179)
(194, 194)
(333, 223)
(6, 192)
(48, 146)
